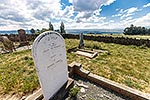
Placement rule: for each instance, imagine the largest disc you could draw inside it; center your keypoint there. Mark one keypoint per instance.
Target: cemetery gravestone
(8, 44)
(22, 37)
(81, 44)
(49, 54)
(81, 51)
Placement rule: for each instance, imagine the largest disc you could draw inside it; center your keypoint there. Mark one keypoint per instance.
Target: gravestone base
(63, 90)
(23, 44)
(58, 96)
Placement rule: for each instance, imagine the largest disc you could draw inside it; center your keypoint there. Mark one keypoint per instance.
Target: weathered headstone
(8, 44)
(81, 44)
(22, 37)
(49, 54)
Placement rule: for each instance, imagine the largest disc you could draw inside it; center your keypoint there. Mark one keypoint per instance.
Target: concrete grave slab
(86, 53)
(49, 54)
(81, 44)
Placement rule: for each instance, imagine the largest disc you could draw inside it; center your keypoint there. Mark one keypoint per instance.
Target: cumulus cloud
(117, 15)
(86, 8)
(15, 14)
(147, 5)
(41, 11)
(143, 21)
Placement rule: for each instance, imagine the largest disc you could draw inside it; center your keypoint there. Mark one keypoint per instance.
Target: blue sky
(76, 14)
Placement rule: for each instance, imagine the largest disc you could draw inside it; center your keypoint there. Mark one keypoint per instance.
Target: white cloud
(15, 14)
(147, 5)
(129, 18)
(85, 8)
(131, 10)
(116, 15)
(71, 1)
(128, 12)
(143, 21)
(35, 14)
(121, 11)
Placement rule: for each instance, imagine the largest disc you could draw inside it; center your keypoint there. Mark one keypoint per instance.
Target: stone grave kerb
(49, 55)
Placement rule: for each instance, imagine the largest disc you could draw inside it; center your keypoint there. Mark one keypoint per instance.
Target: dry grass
(128, 65)
(122, 35)
(17, 73)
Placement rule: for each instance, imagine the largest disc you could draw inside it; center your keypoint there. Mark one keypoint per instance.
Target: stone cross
(49, 55)
(81, 44)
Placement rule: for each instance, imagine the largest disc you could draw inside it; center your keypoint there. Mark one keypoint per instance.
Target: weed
(132, 84)
(74, 91)
(143, 46)
(90, 99)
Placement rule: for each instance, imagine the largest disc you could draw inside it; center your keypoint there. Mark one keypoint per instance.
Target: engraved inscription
(53, 56)
(53, 37)
(60, 60)
(54, 64)
(51, 65)
(44, 51)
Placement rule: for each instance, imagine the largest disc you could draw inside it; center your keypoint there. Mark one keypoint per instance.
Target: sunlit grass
(128, 65)
(122, 35)
(17, 73)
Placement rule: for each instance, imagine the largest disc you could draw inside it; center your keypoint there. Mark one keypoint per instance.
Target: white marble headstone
(49, 54)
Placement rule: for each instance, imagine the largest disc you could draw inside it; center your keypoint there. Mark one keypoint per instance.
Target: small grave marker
(82, 51)
(49, 54)
(81, 44)
(22, 37)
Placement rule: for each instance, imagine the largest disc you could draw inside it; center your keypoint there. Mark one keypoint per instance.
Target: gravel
(95, 92)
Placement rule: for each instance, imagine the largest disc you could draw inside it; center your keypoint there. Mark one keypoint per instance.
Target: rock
(108, 97)
(83, 96)
(23, 98)
(82, 90)
(81, 85)
(101, 96)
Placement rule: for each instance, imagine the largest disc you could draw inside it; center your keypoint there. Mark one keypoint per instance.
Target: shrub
(74, 91)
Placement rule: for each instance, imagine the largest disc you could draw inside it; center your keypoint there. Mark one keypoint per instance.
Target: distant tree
(148, 31)
(133, 30)
(43, 30)
(51, 26)
(62, 28)
(32, 31)
(126, 31)
(38, 30)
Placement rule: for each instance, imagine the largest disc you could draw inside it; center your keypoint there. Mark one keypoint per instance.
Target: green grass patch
(122, 35)
(128, 65)
(17, 73)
